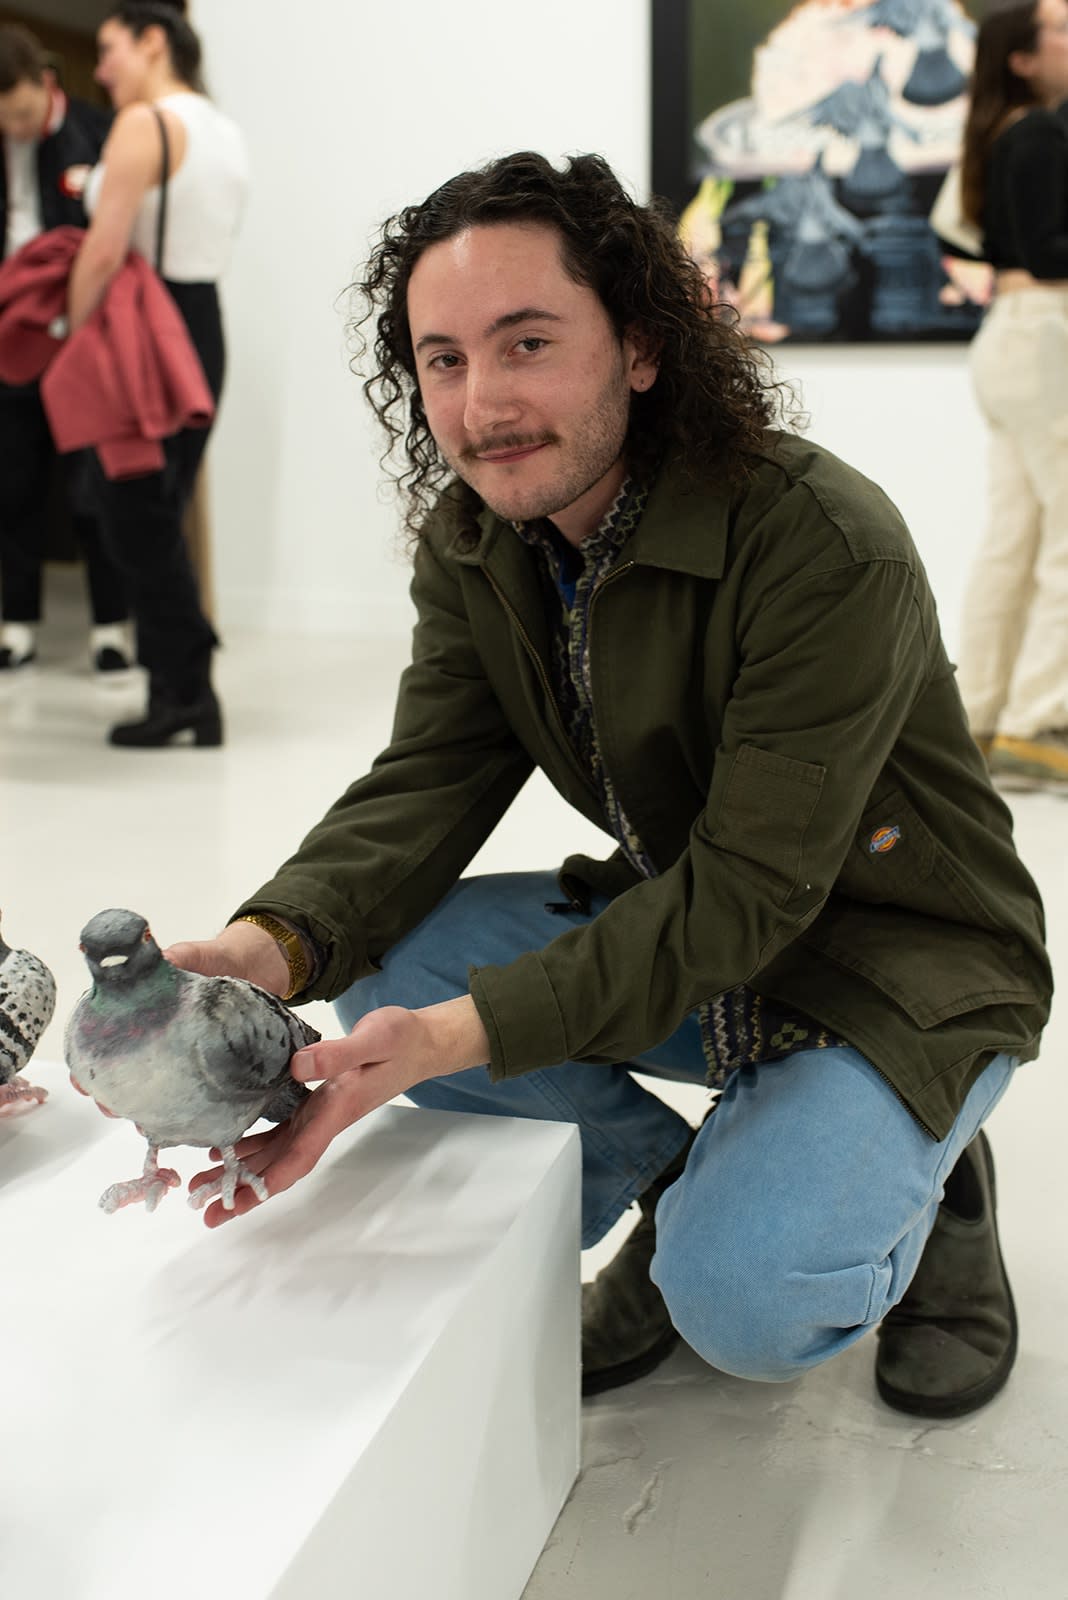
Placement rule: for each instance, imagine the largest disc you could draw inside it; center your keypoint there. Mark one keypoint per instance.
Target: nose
(490, 398)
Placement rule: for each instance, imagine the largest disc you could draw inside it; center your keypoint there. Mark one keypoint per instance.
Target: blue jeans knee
(759, 1317)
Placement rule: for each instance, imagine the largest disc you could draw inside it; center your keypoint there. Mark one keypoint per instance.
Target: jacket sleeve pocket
(768, 803)
(891, 856)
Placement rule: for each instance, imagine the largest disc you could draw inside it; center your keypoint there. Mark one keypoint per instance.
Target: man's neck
(584, 516)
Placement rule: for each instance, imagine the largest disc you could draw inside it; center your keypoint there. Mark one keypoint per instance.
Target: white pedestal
(369, 1388)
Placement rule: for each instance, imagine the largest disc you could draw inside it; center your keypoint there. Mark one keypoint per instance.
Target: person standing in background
(48, 143)
(1014, 651)
(149, 63)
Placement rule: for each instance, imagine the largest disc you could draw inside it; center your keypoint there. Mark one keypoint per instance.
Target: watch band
(290, 945)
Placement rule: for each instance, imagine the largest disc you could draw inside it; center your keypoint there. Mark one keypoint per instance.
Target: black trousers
(27, 462)
(141, 520)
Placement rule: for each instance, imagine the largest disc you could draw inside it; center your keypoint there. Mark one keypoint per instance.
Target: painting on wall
(803, 147)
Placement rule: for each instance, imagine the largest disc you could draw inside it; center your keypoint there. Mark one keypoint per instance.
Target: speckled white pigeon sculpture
(27, 1001)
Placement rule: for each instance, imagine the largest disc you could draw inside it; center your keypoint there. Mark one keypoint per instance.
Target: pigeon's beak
(114, 961)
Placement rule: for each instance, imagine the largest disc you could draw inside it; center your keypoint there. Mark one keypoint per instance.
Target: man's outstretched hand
(387, 1053)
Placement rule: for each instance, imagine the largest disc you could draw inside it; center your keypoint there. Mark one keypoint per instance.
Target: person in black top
(48, 143)
(1014, 651)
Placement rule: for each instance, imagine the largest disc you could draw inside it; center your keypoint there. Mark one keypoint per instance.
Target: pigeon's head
(118, 947)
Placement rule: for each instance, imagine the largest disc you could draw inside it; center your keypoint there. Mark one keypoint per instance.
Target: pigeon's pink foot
(150, 1189)
(18, 1097)
(234, 1172)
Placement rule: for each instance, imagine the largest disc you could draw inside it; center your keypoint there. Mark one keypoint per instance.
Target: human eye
(444, 361)
(531, 343)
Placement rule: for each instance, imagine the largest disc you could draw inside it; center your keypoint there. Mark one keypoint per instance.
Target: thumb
(327, 1059)
(374, 1039)
(203, 956)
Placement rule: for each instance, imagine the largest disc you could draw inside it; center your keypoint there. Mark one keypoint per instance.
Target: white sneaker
(18, 645)
(109, 651)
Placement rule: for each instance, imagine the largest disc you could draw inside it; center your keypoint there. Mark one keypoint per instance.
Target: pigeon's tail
(287, 1098)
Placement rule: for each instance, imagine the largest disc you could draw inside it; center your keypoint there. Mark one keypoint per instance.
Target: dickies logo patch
(884, 839)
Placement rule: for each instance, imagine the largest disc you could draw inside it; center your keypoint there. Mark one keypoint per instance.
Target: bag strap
(165, 173)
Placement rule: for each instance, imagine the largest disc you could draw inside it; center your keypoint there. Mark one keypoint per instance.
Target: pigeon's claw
(225, 1186)
(150, 1190)
(150, 1187)
(19, 1096)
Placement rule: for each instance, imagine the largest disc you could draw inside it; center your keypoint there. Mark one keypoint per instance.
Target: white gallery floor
(692, 1484)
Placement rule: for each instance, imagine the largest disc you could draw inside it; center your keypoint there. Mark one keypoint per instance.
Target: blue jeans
(806, 1200)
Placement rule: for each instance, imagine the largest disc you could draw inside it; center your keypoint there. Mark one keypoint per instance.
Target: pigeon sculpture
(27, 1001)
(188, 1059)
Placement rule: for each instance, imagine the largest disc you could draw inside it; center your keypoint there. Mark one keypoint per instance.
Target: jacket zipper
(528, 645)
(609, 577)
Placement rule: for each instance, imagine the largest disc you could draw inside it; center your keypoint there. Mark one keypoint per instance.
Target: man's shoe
(626, 1330)
(1019, 765)
(950, 1344)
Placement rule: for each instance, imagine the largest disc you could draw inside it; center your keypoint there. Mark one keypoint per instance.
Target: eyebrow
(511, 319)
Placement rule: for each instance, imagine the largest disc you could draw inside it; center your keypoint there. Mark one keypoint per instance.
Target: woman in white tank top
(149, 62)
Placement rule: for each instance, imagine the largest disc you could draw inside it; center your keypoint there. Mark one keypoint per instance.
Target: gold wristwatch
(290, 945)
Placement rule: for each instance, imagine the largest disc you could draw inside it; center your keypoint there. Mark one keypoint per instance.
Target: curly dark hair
(714, 396)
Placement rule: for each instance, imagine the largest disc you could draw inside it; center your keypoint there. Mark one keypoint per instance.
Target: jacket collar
(683, 529)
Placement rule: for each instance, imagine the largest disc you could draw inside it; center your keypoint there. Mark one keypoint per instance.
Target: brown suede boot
(950, 1344)
(626, 1330)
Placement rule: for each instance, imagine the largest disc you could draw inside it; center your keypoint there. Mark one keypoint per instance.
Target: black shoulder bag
(165, 173)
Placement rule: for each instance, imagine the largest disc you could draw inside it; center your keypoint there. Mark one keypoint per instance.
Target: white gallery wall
(352, 111)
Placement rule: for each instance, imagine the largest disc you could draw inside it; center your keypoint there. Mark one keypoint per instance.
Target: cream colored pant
(1013, 667)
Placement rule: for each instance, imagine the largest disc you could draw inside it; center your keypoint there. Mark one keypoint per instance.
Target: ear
(49, 79)
(1022, 63)
(642, 356)
(155, 39)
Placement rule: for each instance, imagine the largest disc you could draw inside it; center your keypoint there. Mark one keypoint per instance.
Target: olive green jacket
(782, 727)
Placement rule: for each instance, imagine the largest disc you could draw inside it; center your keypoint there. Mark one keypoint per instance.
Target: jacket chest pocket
(767, 805)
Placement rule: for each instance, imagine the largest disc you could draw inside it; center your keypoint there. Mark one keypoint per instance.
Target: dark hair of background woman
(996, 93)
(712, 400)
(185, 49)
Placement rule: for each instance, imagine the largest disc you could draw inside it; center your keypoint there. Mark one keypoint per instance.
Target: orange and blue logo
(884, 839)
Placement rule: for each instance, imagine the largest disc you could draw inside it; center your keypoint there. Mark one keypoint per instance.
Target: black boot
(168, 717)
(950, 1344)
(626, 1330)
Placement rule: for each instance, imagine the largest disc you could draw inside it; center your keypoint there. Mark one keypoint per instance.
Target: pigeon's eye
(146, 936)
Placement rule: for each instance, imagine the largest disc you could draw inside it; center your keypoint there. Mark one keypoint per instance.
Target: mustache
(507, 441)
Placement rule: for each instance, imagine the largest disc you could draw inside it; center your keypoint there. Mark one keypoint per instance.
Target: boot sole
(628, 1371)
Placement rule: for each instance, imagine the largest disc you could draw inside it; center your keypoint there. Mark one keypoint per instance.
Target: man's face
(525, 384)
(24, 111)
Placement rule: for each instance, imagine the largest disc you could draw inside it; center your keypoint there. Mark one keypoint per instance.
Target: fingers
(284, 1155)
(244, 1201)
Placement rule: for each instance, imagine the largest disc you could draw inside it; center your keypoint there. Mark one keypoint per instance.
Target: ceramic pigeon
(188, 1059)
(27, 1001)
